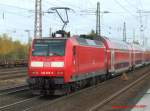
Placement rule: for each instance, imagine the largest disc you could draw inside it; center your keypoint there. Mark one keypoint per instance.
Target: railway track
(81, 100)
(11, 76)
(12, 106)
(118, 93)
(12, 69)
(14, 97)
(12, 73)
(93, 98)
(19, 98)
(22, 100)
(15, 89)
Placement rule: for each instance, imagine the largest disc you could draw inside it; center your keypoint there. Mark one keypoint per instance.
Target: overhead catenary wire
(72, 4)
(15, 13)
(68, 4)
(25, 12)
(12, 6)
(132, 5)
(125, 9)
(141, 4)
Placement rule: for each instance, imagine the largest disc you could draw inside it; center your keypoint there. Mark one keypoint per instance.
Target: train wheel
(43, 92)
(133, 67)
(75, 87)
(93, 81)
(108, 76)
(67, 89)
(103, 78)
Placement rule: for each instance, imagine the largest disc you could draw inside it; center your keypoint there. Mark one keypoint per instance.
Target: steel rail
(19, 102)
(13, 72)
(75, 93)
(72, 94)
(11, 76)
(14, 89)
(105, 101)
(11, 68)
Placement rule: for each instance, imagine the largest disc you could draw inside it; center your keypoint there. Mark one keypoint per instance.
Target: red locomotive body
(59, 61)
(89, 57)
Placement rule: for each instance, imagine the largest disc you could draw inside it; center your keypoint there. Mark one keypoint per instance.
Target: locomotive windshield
(49, 47)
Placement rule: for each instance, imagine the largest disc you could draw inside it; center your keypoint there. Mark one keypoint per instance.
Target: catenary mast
(38, 19)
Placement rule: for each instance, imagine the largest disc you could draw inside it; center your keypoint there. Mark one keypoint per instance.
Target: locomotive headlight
(35, 72)
(59, 72)
(36, 64)
(57, 64)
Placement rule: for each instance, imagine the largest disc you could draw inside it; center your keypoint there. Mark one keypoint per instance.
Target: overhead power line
(15, 13)
(132, 5)
(124, 8)
(70, 4)
(12, 6)
(141, 4)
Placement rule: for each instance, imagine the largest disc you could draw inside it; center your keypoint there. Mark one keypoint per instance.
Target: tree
(91, 35)
(136, 42)
(10, 49)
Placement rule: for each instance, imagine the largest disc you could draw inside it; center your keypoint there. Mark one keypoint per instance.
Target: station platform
(144, 103)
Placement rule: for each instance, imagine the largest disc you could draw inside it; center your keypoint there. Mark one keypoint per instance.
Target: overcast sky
(16, 16)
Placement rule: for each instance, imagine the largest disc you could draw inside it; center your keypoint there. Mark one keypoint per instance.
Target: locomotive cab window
(49, 47)
(40, 50)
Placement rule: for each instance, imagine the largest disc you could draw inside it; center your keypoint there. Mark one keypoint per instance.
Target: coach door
(112, 59)
(76, 63)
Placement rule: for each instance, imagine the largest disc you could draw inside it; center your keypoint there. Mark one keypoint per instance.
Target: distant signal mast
(38, 19)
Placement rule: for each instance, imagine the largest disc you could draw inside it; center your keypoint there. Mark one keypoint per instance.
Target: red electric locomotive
(65, 63)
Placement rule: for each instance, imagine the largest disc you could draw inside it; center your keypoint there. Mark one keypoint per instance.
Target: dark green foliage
(91, 35)
(136, 42)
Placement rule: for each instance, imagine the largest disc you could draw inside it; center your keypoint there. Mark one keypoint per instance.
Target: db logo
(47, 64)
